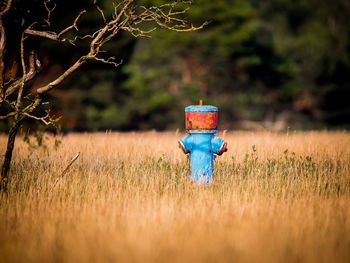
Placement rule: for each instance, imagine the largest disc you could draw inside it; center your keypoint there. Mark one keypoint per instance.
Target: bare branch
(110, 60)
(47, 20)
(13, 113)
(92, 36)
(45, 34)
(3, 45)
(54, 35)
(33, 105)
(7, 8)
(116, 6)
(2, 49)
(34, 68)
(115, 32)
(21, 87)
(47, 120)
(12, 104)
(155, 14)
(93, 49)
(42, 119)
(61, 78)
(137, 32)
(186, 29)
(72, 26)
(163, 16)
(101, 11)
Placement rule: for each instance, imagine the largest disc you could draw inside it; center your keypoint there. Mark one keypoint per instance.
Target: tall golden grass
(274, 198)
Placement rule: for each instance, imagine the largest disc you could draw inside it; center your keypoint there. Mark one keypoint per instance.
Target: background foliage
(266, 64)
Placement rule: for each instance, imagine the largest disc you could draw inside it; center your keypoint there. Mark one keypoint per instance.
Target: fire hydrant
(201, 144)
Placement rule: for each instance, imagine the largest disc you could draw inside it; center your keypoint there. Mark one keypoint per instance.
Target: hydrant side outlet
(201, 143)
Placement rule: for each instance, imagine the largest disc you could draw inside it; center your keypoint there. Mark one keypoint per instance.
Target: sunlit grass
(274, 198)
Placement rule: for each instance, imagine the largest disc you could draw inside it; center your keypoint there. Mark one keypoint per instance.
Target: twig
(53, 35)
(7, 8)
(65, 169)
(72, 26)
(8, 115)
(47, 20)
(109, 61)
(101, 11)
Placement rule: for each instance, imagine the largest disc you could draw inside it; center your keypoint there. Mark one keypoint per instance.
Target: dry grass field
(126, 198)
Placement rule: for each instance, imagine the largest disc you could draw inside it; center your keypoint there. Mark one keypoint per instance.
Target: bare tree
(138, 20)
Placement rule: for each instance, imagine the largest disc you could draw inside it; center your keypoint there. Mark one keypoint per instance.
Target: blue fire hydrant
(201, 144)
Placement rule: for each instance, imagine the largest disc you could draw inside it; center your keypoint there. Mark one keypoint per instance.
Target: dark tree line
(266, 64)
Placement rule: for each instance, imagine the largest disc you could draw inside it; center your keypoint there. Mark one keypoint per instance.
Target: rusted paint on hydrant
(201, 144)
(201, 120)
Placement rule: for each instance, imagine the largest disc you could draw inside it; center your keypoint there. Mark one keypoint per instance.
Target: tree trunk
(8, 155)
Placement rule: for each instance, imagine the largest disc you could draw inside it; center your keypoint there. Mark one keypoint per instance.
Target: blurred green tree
(276, 63)
(232, 63)
(315, 36)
